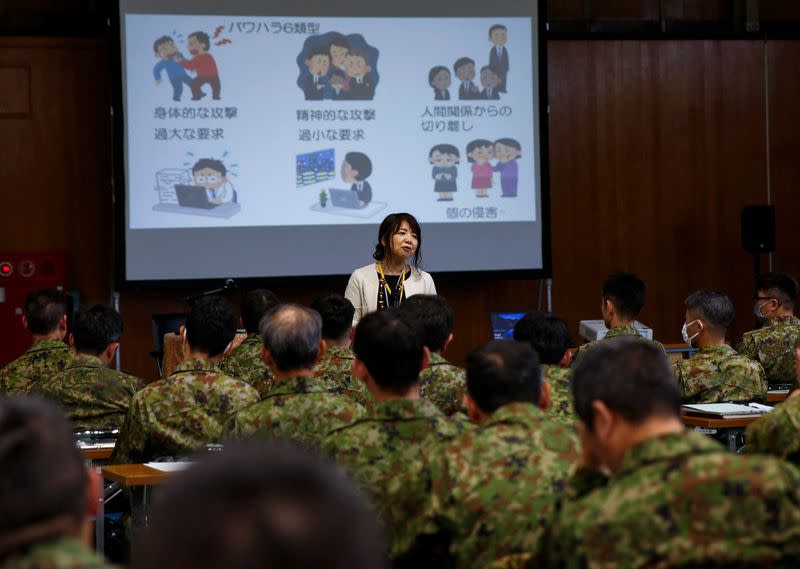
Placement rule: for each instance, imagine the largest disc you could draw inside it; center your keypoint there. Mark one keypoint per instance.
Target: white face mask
(685, 334)
(757, 311)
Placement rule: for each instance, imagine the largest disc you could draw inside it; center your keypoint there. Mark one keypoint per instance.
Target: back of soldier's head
(337, 315)
(210, 325)
(503, 372)
(44, 310)
(391, 347)
(627, 292)
(261, 504)
(782, 286)
(548, 334)
(713, 307)
(42, 477)
(632, 377)
(292, 334)
(434, 316)
(255, 304)
(95, 328)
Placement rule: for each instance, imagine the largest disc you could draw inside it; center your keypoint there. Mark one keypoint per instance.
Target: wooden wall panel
(784, 112)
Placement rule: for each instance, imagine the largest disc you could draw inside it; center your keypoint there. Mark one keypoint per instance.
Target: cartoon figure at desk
(211, 186)
(356, 168)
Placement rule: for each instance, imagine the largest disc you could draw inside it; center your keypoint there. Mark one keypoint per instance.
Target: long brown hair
(389, 226)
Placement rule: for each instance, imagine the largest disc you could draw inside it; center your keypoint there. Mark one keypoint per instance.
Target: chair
(162, 324)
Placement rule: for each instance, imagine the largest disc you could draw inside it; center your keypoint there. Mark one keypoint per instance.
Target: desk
(733, 428)
(97, 453)
(776, 396)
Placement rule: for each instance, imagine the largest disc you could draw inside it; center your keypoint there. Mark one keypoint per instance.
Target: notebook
(727, 410)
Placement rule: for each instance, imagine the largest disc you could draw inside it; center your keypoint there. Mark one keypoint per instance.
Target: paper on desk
(169, 466)
(84, 445)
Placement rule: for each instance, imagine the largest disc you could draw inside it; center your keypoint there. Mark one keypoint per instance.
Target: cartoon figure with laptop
(356, 168)
(205, 189)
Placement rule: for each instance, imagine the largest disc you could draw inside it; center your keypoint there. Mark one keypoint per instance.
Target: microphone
(230, 284)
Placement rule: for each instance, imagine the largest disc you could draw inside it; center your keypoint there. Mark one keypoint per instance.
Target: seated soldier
(622, 301)
(777, 432)
(773, 345)
(716, 373)
(47, 495)
(649, 493)
(300, 406)
(497, 485)
(548, 334)
(244, 361)
(185, 411)
(262, 504)
(46, 319)
(441, 382)
(337, 361)
(381, 450)
(91, 394)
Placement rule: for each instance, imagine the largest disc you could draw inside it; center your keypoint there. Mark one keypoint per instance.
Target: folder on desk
(726, 410)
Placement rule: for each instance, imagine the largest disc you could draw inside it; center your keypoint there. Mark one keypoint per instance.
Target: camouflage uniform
(337, 364)
(60, 553)
(244, 363)
(627, 330)
(303, 409)
(181, 413)
(717, 373)
(383, 453)
(560, 394)
(443, 384)
(92, 395)
(777, 432)
(43, 359)
(680, 500)
(497, 484)
(773, 347)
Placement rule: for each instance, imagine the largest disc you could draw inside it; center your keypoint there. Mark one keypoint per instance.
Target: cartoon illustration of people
(498, 56)
(490, 82)
(212, 175)
(166, 50)
(465, 71)
(336, 86)
(444, 158)
(203, 64)
(479, 152)
(338, 50)
(356, 168)
(317, 63)
(356, 69)
(439, 78)
(507, 151)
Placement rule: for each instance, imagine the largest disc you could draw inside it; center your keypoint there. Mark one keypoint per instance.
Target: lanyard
(401, 287)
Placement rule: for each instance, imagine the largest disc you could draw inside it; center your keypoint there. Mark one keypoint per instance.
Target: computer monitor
(503, 324)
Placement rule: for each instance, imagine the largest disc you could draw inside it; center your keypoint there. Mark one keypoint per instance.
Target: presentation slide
(256, 144)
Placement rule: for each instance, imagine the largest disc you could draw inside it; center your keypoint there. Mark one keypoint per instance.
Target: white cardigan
(362, 290)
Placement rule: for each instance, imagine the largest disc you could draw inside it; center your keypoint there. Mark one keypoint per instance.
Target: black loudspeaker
(758, 228)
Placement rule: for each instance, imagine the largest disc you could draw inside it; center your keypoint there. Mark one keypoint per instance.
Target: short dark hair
(44, 478)
(358, 53)
(478, 143)
(255, 304)
(782, 286)
(161, 41)
(337, 315)
(509, 142)
(264, 503)
(434, 317)
(713, 307)
(435, 71)
(211, 164)
(391, 225)
(633, 378)
(338, 74)
(361, 162)
(488, 68)
(445, 149)
(497, 27)
(460, 62)
(292, 333)
(44, 310)
(392, 349)
(201, 37)
(339, 41)
(503, 372)
(95, 328)
(548, 334)
(211, 325)
(319, 51)
(627, 292)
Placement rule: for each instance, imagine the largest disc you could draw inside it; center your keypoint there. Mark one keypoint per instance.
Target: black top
(397, 294)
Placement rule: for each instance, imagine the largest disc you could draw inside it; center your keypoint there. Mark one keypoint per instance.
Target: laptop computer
(503, 324)
(193, 196)
(344, 198)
